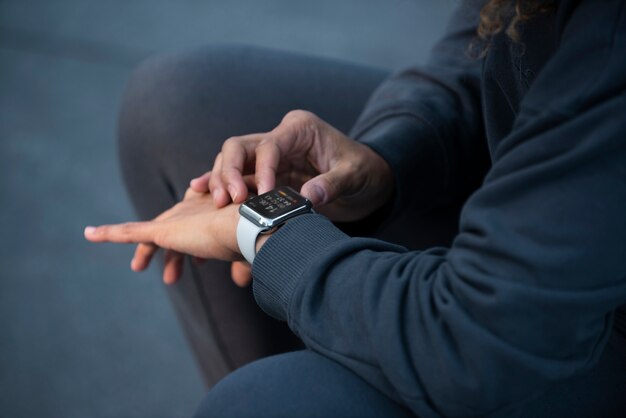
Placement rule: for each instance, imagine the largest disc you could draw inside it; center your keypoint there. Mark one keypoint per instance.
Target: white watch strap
(247, 233)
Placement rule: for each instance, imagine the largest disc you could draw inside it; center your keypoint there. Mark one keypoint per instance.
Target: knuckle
(231, 144)
(265, 171)
(300, 116)
(267, 147)
(231, 173)
(302, 125)
(350, 166)
(267, 142)
(160, 240)
(126, 228)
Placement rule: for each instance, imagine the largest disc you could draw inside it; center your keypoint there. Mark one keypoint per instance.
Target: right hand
(344, 179)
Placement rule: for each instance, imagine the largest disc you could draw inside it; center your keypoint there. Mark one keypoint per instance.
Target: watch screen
(277, 202)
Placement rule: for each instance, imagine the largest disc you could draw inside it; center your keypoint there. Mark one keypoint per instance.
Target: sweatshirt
(528, 292)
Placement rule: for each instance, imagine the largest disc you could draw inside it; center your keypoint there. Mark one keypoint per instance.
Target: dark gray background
(81, 335)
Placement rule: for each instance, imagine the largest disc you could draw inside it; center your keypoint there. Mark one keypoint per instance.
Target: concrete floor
(81, 335)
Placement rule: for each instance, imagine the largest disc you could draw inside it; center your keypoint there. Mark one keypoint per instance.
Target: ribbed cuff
(286, 256)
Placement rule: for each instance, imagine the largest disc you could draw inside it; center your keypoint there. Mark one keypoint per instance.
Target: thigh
(298, 384)
(189, 103)
(177, 111)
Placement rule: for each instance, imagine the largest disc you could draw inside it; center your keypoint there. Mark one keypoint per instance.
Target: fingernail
(260, 188)
(232, 191)
(90, 230)
(134, 264)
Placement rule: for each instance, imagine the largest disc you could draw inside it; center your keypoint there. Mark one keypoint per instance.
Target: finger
(237, 153)
(328, 186)
(125, 233)
(241, 273)
(216, 185)
(201, 184)
(189, 193)
(267, 160)
(143, 256)
(173, 267)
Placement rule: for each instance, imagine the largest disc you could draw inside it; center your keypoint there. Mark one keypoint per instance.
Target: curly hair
(506, 15)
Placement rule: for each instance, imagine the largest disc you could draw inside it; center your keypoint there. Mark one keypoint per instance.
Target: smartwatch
(264, 213)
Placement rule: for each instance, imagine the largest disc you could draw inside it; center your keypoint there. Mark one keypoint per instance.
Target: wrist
(261, 240)
(262, 214)
(232, 221)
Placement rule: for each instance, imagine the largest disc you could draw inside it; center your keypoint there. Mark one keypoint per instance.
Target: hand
(345, 180)
(194, 226)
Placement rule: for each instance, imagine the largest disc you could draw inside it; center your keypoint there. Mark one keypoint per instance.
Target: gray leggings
(176, 113)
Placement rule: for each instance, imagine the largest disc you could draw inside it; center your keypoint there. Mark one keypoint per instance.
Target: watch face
(278, 203)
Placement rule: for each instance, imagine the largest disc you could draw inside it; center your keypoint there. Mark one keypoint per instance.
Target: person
(514, 306)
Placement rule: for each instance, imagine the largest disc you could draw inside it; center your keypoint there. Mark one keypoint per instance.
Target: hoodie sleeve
(525, 295)
(426, 120)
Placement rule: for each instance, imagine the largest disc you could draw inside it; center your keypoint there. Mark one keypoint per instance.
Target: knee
(144, 105)
(148, 105)
(168, 96)
(300, 383)
(225, 398)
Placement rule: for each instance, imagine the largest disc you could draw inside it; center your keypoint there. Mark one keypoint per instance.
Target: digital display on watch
(277, 202)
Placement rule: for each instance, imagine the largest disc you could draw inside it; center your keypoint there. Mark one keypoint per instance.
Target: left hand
(195, 226)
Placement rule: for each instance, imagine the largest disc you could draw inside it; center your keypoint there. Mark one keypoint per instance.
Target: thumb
(327, 187)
